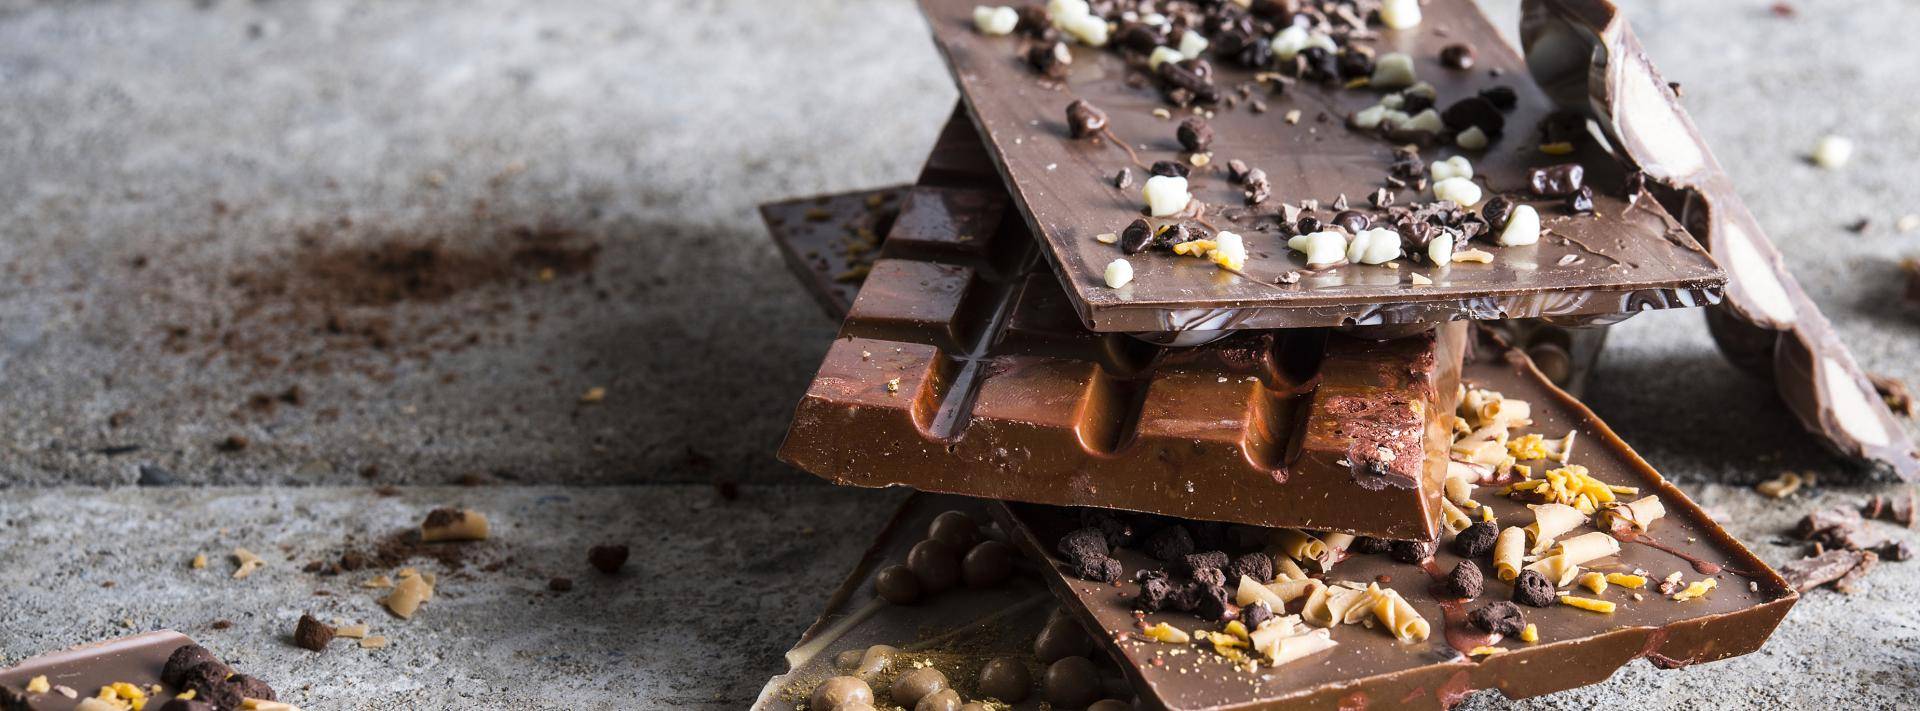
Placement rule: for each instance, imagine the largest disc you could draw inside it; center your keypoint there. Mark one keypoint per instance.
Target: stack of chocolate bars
(1242, 335)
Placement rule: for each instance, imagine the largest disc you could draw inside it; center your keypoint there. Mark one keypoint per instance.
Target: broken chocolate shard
(1584, 53)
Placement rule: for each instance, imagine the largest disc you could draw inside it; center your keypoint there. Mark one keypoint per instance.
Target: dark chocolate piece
(1370, 669)
(1640, 258)
(1767, 324)
(164, 658)
(963, 370)
(1466, 580)
(837, 234)
(1501, 618)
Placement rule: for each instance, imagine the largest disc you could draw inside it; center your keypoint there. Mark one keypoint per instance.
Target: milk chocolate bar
(1230, 101)
(1587, 55)
(838, 235)
(986, 641)
(154, 667)
(961, 369)
(1672, 618)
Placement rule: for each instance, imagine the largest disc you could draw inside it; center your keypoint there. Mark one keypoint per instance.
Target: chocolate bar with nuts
(1682, 591)
(1585, 52)
(961, 369)
(1099, 117)
(994, 640)
(148, 669)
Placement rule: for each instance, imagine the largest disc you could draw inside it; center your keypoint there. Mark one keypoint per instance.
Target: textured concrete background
(445, 221)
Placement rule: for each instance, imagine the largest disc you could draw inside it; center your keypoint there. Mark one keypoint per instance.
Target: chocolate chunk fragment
(185, 659)
(1123, 179)
(560, 585)
(1466, 580)
(1084, 544)
(1194, 134)
(208, 682)
(1170, 544)
(1474, 112)
(1138, 37)
(311, 634)
(1896, 551)
(1852, 577)
(1156, 593)
(1237, 170)
(1307, 225)
(1893, 392)
(1258, 566)
(1084, 119)
(1257, 189)
(1215, 604)
(1502, 618)
(1136, 238)
(1503, 97)
(1353, 220)
(1369, 544)
(1209, 577)
(1407, 165)
(1476, 540)
(1581, 201)
(251, 687)
(1033, 20)
(1168, 168)
(1191, 563)
(1496, 211)
(1104, 570)
(1533, 589)
(607, 559)
(1457, 56)
(1411, 551)
(1053, 60)
(1254, 614)
(1317, 64)
(1188, 82)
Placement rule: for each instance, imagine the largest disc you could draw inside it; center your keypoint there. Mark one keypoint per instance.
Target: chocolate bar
(1014, 626)
(1285, 119)
(1587, 55)
(1368, 667)
(961, 369)
(154, 668)
(835, 234)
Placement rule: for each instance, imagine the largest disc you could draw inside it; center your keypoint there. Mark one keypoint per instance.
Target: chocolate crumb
(1457, 56)
(311, 634)
(233, 443)
(1194, 135)
(1086, 544)
(1533, 589)
(1369, 544)
(1170, 169)
(1254, 614)
(1894, 392)
(220, 624)
(1192, 563)
(1502, 618)
(1123, 179)
(1860, 226)
(1411, 552)
(1084, 119)
(560, 585)
(1104, 570)
(1476, 540)
(1170, 544)
(185, 659)
(1256, 565)
(607, 559)
(1466, 580)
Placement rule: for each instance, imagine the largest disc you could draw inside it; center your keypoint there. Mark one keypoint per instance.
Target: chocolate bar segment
(961, 369)
(838, 235)
(1369, 668)
(958, 632)
(1622, 258)
(1586, 52)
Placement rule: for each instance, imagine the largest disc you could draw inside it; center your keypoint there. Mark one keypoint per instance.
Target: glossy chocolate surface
(1585, 51)
(136, 660)
(961, 369)
(1370, 669)
(1627, 258)
(957, 631)
(836, 235)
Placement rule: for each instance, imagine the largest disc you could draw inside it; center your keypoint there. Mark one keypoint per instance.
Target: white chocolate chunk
(1392, 71)
(1523, 227)
(1455, 167)
(1369, 118)
(1166, 195)
(1440, 250)
(1119, 273)
(1162, 55)
(1461, 191)
(1374, 246)
(1422, 89)
(1393, 101)
(1400, 14)
(1472, 139)
(995, 21)
(1192, 44)
(1106, 238)
(1229, 251)
(1088, 29)
(1428, 121)
(1832, 152)
(1288, 42)
(1063, 10)
(1322, 249)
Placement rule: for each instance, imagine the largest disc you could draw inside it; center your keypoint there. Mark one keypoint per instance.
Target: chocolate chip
(607, 559)
(1475, 540)
(1170, 544)
(1051, 60)
(1354, 62)
(1104, 570)
(1168, 168)
(1497, 210)
(1256, 565)
(1307, 225)
(1084, 120)
(1466, 580)
(1457, 56)
(1088, 543)
(1194, 134)
(1556, 180)
(1502, 618)
(898, 585)
(1503, 97)
(1136, 238)
(1411, 551)
(1581, 201)
(1533, 589)
(184, 659)
(1369, 544)
(311, 634)
(1353, 221)
(1474, 112)
(1254, 614)
(1123, 179)
(560, 585)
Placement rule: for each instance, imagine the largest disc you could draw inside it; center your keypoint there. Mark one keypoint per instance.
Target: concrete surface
(205, 202)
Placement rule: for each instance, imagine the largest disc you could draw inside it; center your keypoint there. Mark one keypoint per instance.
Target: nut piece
(1463, 192)
(1523, 227)
(1393, 70)
(453, 525)
(311, 634)
(374, 642)
(248, 563)
(1400, 14)
(352, 631)
(1119, 272)
(1782, 486)
(995, 21)
(407, 596)
(1455, 167)
(1322, 249)
(1374, 246)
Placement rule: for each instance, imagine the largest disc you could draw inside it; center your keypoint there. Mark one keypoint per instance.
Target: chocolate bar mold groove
(1586, 53)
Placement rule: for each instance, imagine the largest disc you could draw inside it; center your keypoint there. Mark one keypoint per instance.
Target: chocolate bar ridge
(1370, 669)
(960, 369)
(1586, 53)
(1634, 257)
